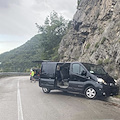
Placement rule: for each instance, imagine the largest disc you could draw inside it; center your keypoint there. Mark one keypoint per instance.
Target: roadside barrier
(6, 74)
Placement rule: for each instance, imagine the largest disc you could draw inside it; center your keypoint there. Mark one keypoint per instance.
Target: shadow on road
(105, 99)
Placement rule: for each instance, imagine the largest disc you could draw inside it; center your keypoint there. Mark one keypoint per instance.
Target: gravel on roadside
(115, 101)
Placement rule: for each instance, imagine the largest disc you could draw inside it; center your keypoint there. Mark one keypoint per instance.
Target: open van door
(78, 77)
(47, 77)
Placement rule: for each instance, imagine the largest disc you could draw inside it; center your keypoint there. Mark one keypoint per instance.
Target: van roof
(50, 62)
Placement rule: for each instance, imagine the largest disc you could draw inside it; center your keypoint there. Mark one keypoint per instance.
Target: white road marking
(20, 111)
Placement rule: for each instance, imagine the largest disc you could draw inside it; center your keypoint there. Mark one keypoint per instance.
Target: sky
(18, 18)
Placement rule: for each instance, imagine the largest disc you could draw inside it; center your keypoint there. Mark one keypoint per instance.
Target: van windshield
(95, 69)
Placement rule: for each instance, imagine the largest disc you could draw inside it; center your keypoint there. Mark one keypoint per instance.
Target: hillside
(20, 59)
(94, 35)
(42, 46)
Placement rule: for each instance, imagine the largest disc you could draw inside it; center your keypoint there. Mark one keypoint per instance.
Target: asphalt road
(22, 100)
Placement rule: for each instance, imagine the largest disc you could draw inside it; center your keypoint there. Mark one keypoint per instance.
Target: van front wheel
(46, 90)
(90, 92)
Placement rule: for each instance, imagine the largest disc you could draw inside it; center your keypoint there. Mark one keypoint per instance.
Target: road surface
(22, 100)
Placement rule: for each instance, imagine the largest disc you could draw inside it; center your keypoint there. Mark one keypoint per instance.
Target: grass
(118, 96)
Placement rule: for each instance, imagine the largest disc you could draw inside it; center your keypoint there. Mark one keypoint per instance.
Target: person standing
(32, 76)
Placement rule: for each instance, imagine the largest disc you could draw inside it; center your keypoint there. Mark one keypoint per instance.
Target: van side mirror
(84, 73)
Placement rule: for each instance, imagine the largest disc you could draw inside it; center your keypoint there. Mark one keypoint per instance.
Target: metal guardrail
(5, 74)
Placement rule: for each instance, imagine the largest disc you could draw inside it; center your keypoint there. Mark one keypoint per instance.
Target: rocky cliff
(94, 35)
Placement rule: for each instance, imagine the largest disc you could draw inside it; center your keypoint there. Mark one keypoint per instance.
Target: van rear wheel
(90, 92)
(46, 90)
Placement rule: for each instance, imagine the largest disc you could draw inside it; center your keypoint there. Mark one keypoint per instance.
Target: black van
(88, 79)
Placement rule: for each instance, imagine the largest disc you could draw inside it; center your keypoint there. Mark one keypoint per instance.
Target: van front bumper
(108, 90)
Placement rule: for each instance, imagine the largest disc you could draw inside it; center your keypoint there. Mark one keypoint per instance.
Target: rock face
(94, 35)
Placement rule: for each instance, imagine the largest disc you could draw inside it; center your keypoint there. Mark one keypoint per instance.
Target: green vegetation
(97, 15)
(52, 31)
(78, 3)
(110, 68)
(103, 40)
(97, 45)
(100, 29)
(119, 40)
(115, 77)
(42, 46)
(118, 96)
(20, 59)
(88, 45)
(106, 61)
(100, 62)
(92, 52)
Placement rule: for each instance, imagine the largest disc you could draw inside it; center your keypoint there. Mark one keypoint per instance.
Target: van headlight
(100, 80)
(115, 82)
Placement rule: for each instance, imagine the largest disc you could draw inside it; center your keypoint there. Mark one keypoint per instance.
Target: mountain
(20, 59)
(94, 35)
(42, 46)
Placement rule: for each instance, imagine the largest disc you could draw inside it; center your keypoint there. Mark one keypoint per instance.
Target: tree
(52, 31)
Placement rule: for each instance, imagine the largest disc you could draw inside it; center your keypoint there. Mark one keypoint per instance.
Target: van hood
(106, 78)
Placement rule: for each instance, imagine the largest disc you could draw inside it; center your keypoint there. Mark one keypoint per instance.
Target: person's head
(58, 67)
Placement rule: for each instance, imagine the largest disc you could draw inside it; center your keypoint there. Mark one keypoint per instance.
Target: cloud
(64, 7)
(18, 17)
(8, 3)
(17, 20)
(21, 15)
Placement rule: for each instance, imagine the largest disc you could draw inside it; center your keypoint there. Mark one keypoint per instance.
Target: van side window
(81, 69)
(76, 68)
